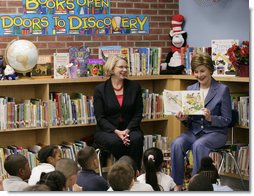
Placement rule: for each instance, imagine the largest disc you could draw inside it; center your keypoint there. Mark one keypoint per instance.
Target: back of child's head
(37, 187)
(69, 168)
(120, 176)
(152, 162)
(208, 169)
(200, 182)
(86, 156)
(131, 162)
(46, 152)
(55, 180)
(14, 163)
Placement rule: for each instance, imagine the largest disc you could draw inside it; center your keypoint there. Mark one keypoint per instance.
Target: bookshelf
(39, 88)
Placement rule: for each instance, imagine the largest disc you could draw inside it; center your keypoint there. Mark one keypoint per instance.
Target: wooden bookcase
(39, 88)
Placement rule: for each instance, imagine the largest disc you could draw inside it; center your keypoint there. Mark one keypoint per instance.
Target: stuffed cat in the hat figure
(173, 64)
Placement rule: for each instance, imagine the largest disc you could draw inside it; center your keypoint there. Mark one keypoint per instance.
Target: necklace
(118, 89)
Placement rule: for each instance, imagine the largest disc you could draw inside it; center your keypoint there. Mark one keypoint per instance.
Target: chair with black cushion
(228, 149)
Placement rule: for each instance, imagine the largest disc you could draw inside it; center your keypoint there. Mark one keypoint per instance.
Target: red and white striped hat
(177, 21)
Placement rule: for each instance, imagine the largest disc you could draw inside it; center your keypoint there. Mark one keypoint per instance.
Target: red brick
(47, 38)
(149, 12)
(133, 11)
(65, 38)
(8, 10)
(14, 3)
(57, 45)
(125, 5)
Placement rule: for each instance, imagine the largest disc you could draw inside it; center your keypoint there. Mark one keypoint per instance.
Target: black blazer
(108, 112)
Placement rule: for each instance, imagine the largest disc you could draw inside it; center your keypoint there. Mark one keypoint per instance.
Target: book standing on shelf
(107, 51)
(61, 61)
(95, 67)
(78, 57)
(189, 102)
(43, 68)
(222, 64)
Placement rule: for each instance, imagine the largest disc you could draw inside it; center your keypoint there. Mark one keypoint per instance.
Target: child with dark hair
(137, 186)
(55, 180)
(87, 178)
(152, 163)
(47, 156)
(70, 169)
(17, 166)
(121, 176)
(200, 182)
(208, 169)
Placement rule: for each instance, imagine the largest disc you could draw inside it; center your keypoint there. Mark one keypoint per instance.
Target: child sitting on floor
(121, 176)
(208, 169)
(47, 156)
(17, 166)
(70, 169)
(87, 178)
(152, 162)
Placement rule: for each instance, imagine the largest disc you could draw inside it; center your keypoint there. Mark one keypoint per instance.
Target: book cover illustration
(95, 67)
(189, 102)
(43, 68)
(78, 57)
(61, 61)
(107, 51)
(221, 62)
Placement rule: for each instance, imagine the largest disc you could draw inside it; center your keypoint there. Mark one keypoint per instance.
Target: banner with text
(66, 7)
(99, 24)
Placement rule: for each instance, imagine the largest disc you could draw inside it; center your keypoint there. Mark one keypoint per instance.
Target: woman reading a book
(118, 110)
(204, 132)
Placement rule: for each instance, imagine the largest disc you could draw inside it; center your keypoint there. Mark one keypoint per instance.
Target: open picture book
(189, 102)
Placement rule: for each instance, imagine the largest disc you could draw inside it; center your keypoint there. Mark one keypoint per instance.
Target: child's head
(55, 180)
(152, 161)
(120, 176)
(87, 158)
(208, 169)
(200, 182)
(17, 165)
(69, 168)
(132, 163)
(49, 154)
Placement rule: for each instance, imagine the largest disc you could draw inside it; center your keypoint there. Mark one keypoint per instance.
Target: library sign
(71, 17)
(66, 6)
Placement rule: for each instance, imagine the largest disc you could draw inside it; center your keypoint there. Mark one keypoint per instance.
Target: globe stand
(24, 76)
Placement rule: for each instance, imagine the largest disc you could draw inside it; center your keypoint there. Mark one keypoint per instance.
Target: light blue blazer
(218, 101)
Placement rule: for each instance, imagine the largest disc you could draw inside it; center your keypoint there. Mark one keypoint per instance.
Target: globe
(21, 55)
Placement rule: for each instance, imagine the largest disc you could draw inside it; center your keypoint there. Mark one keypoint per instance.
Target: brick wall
(160, 12)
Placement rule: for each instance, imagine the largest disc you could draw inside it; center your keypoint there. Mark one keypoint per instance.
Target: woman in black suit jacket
(118, 110)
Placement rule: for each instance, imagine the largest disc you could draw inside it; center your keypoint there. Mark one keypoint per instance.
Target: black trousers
(114, 144)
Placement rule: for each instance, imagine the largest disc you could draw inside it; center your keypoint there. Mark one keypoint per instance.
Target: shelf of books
(53, 111)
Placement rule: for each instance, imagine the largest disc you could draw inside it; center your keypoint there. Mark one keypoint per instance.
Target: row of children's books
(30, 113)
(66, 109)
(240, 103)
(152, 105)
(141, 61)
(242, 155)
